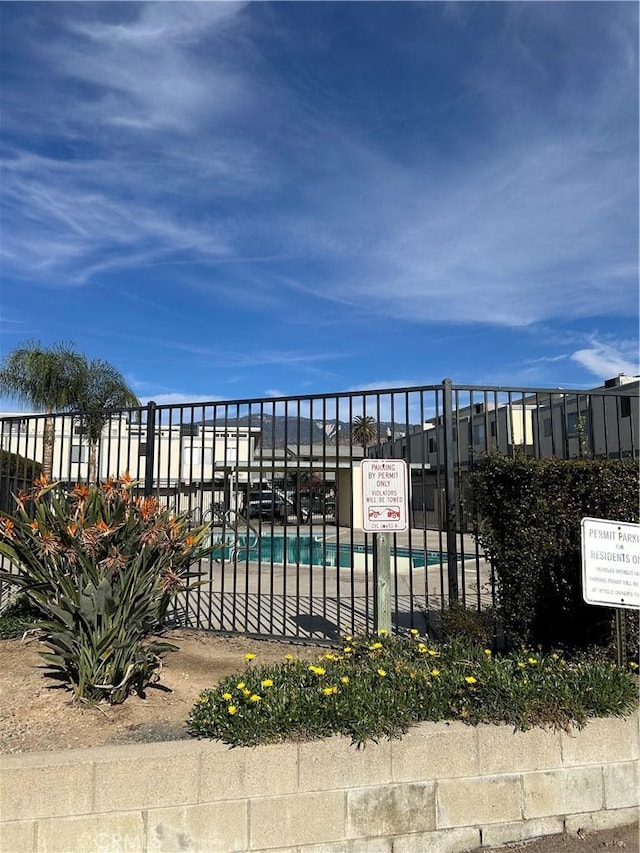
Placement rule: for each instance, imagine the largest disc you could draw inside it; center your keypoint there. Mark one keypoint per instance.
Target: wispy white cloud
(529, 229)
(147, 72)
(606, 360)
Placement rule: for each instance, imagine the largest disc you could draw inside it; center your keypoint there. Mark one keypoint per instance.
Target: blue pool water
(310, 551)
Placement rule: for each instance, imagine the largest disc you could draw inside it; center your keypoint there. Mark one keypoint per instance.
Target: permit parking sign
(610, 563)
(384, 495)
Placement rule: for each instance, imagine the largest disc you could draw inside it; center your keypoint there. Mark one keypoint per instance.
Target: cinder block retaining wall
(442, 788)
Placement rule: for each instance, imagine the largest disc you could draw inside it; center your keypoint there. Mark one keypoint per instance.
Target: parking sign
(384, 495)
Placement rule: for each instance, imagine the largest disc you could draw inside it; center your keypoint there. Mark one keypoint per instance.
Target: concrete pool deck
(324, 602)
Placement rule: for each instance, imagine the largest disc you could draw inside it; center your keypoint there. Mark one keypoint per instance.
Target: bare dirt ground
(36, 712)
(612, 840)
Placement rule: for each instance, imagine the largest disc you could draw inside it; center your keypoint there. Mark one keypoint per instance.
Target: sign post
(611, 569)
(384, 511)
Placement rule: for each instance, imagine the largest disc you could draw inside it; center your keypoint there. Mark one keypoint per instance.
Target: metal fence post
(150, 448)
(450, 490)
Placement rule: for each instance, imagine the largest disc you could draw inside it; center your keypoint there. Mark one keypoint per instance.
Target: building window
(572, 422)
(78, 453)
(430, 498)
(547, 427)
(492, 429)
(625, 407)
(432, 445)
(14, 427)
(478, 434)
(189, 429)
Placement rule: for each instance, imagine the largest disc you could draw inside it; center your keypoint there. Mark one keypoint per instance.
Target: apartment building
(196, 464)
(601, 422)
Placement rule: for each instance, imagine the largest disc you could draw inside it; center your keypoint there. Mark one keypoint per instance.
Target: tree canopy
(59, 378)
(45, 378)
(364, 429)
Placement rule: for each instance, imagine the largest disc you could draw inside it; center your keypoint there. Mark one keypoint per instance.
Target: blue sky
(244, 200)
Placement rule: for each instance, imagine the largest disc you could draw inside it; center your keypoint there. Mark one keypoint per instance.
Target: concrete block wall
(445, 788)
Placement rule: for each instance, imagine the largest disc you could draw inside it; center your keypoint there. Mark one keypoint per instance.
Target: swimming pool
(314, 551)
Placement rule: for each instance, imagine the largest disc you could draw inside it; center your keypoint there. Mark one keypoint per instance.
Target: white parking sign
(384, 495)
(610, 563)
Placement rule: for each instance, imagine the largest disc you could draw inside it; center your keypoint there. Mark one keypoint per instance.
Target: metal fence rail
(275, 478)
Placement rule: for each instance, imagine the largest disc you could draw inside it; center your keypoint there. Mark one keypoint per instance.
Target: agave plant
(102, 566)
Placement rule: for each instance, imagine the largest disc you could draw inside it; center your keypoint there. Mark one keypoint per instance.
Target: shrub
(102, 566)
(18, 616)
(379, 686)
(15, 471)
(458, 622)
(529, 514)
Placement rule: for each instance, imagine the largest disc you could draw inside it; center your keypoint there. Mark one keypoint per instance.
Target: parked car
(318, 505)
(268, 505)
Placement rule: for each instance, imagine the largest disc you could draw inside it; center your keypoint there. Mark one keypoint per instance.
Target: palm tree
(103, 389)
(46, 378)
(364, 430)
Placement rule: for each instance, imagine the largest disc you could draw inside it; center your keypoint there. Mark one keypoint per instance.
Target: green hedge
(529, 513)
(14, 465)
(16, 472)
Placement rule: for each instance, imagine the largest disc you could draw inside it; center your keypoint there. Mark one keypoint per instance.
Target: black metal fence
(278, 478)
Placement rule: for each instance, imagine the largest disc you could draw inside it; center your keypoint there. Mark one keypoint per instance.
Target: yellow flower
(255, 698)
(470, 679)
(329, 691)
(412, 674)
(414, 632)
(240, 685)
(232, 709)
(249, 657)
(375, 646)
(521, 665)
(383, 632)
(267, 682)
(633, 665)
(349, 639)
(226, 696)
(345, 679)
(433, 653)
(382, 673)
(435, 673)
(555, 656)
(422, 649)
(246, 692)
(288, 657)
(487, 652)
(318, 670)
(533, 661)
(347, 649)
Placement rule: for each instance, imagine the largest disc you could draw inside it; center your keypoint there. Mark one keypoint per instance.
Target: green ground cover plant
(102, 566)
(373, 687)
